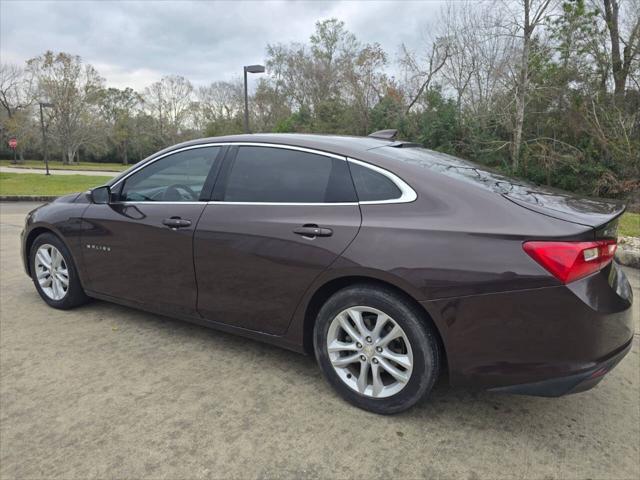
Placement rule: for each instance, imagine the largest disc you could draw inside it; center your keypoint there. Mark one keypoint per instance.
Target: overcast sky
(134, 43)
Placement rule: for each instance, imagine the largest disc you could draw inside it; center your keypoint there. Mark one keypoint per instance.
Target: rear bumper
(544, 341)
(576, 383)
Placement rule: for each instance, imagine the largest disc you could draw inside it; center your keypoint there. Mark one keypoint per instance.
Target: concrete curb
(27, 198)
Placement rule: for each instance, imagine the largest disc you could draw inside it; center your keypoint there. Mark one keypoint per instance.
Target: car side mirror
(101, 195)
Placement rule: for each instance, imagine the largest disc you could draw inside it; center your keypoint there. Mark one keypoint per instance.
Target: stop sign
(13, 143)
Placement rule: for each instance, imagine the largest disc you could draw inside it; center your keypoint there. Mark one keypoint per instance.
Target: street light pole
(246, 103)
(249, 69)
(44, 136)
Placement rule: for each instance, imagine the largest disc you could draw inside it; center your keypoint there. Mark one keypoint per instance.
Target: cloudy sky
(134, 43)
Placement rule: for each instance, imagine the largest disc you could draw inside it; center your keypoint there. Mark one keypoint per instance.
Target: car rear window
(460, 169)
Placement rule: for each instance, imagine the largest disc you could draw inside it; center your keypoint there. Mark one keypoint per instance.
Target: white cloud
(133, 43)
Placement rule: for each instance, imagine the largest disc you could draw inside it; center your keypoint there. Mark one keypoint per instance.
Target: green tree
(118, 109)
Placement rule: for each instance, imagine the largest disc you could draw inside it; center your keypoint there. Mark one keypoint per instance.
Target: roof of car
(340, 145)
(344, 145)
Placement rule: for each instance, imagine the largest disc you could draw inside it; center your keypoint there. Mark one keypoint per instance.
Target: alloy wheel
(52, 272)
(369, 351)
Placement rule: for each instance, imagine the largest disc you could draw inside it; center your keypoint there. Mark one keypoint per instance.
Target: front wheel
(376, 349)
(54, 274)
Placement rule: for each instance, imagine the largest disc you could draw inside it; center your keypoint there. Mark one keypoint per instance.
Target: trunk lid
(564, 206)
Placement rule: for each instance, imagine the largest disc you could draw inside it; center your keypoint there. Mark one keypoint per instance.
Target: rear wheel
(54, 274)
(376, 349)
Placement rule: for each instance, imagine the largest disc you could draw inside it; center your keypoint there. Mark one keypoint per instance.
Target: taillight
(569, 261)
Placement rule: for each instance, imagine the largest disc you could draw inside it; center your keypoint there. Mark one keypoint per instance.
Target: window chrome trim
(147, 202)
(225, 144)
(408, 194)
(287, 204)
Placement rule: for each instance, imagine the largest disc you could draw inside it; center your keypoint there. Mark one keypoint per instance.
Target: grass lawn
(39, 184)
(53, 165)
(630, 225)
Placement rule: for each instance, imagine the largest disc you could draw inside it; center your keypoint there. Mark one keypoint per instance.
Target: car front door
(280, 216)
(139, 247)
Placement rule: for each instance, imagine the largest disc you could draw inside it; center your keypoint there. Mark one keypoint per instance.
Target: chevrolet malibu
(391, 263)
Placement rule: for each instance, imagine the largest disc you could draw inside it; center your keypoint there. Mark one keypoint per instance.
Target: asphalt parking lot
(104, 391)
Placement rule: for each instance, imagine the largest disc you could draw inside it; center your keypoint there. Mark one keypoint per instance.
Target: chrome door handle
(176, 222)
(313, 231)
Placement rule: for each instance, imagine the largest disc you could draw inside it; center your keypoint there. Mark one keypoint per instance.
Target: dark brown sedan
(390, 262)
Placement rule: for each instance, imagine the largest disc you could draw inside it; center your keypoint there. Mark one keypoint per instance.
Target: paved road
(42, 171)
(106, 391)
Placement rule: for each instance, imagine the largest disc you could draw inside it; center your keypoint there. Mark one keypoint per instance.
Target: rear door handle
(176, 222)
(313, 231)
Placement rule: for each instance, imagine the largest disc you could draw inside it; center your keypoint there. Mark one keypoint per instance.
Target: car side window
(279, 175)
(373, 186)
(179, 177)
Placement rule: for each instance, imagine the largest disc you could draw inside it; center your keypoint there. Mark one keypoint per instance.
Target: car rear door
(279, 217)
(139, 247)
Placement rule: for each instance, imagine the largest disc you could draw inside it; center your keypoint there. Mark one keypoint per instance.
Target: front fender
(61, 218)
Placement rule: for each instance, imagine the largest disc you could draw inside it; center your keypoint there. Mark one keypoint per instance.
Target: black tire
(423, 340)
(75, 295)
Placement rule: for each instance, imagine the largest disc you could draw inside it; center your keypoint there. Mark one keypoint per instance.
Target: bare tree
(421, 71)
(624, 51)
(16, 88)
(73, 90)
(365, 83)
(533, 14)
(170, 101)
(16, 99)
(218, 102)
(118, 109)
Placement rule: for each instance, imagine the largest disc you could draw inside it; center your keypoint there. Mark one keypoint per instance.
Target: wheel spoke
(41, 273)
(346, 360)
(381, 321)
(399, 358)
(356, 316)
(377, 381)
(338, 346)
(64, 281)
(54, 258)
(347, 327)
(55, 288)
(394, 372)
(44, 258)
(363, 378)
(395, 332)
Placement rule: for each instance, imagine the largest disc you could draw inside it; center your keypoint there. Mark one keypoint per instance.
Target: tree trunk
(521, 94)
(611, 9)
(125, 153)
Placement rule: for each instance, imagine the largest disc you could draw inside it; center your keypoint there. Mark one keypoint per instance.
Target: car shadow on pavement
(472, 407)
